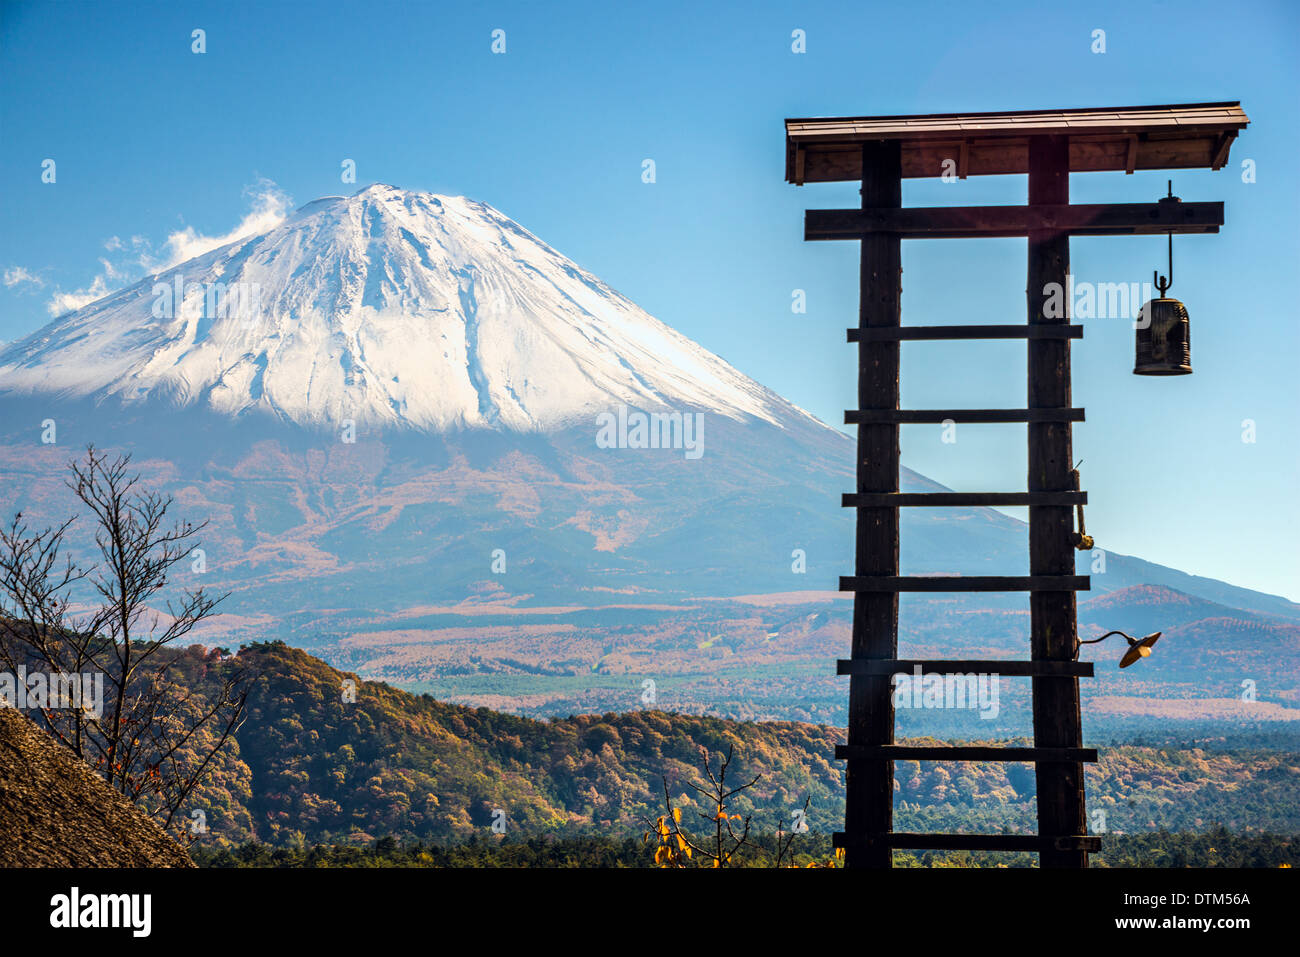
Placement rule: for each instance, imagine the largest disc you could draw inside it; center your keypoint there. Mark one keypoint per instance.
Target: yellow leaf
(677, 815)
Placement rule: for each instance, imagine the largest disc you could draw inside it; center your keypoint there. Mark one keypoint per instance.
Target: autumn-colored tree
(675, 847)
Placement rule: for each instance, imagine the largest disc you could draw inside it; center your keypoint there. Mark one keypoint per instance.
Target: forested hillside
(310, 767)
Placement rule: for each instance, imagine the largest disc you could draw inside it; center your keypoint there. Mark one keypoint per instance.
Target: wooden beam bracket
(1221, 152)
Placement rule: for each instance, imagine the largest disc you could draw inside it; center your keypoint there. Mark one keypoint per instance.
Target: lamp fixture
(1138, 648)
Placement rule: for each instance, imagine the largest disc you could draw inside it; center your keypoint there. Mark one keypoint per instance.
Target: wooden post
(1054, 627)
(869, 783)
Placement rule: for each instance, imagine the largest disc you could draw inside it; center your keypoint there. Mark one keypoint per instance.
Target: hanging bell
(1164, 334)
(1164, 344)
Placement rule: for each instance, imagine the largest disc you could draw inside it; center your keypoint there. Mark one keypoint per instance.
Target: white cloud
(68, 301)
(111, 271)
(269, 206)
(18, 274)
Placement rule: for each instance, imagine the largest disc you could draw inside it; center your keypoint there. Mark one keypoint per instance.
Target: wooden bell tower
(881, 151)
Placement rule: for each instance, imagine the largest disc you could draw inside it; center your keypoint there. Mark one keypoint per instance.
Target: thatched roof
(56, 812)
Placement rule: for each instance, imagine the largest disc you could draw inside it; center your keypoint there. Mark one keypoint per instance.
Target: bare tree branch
(156, 739)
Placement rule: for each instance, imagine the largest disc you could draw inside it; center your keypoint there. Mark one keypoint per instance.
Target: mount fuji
(389, 308)
(386, 388)
(387, 407)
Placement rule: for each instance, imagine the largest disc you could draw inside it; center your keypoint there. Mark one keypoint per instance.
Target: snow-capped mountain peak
(387, 306)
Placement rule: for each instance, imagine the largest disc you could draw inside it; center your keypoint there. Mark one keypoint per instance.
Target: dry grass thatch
(56, 812)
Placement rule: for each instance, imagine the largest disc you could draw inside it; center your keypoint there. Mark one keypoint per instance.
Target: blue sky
(151, 139)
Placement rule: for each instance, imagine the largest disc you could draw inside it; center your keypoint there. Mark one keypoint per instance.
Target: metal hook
(1161, 282)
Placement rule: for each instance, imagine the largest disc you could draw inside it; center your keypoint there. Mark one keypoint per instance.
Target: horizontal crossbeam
(1043, 330)
(972, 222)
(974, 842)
(907, 752)
(913, 416)
(1010, 669)
(950, 499)
(902, 583)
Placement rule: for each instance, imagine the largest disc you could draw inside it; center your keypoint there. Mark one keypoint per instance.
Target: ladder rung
(902, 583)
(974, 842)
(1010, 669)
(1044, 330)
(907, 752)
(929, 499)
(912, 416)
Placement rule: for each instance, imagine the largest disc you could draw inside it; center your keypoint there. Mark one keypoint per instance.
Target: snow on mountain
(387, 306)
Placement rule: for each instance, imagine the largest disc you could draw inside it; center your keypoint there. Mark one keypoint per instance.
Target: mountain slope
(386, 307)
